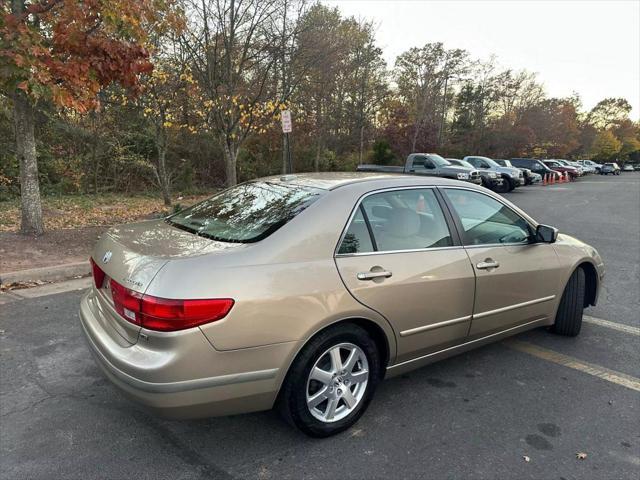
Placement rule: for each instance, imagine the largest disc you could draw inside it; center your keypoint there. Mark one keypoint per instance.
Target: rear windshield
(246, 213)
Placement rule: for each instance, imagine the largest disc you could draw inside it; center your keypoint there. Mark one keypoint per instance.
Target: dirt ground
(73, 224)
(19, 252)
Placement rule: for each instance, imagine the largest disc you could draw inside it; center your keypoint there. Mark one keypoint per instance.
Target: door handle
(374, 274)
(487, 264)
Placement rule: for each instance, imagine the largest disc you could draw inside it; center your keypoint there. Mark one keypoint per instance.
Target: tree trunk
(414, 140)
(444, 111)
(161, 146)
(230, 159)
(285, 159)
(316, 160)
(361, 143)
(23, 115)
(320, 133)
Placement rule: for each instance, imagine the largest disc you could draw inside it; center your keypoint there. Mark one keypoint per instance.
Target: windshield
(245, 213)
(438, 160)
(492, 163)
(464, 163)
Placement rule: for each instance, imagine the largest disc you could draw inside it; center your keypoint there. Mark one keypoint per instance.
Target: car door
(422, 165)
(516, 278)
(399, 257)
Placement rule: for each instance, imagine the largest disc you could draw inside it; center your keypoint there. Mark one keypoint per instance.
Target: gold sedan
(305, 291)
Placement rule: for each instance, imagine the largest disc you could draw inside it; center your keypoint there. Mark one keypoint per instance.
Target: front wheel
(331, 382)
(505, 187)
(569, 317)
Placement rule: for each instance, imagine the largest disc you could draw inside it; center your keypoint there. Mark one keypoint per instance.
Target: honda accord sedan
(303, 292)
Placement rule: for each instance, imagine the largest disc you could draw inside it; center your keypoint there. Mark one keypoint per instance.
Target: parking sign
(286, 121)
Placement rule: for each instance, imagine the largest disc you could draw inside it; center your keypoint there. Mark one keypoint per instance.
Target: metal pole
(289, 165)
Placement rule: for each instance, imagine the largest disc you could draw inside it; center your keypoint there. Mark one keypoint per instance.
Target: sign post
(287, 125)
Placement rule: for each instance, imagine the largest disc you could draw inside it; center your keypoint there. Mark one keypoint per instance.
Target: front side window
(246, 213)
(486, 221)
(401, 220)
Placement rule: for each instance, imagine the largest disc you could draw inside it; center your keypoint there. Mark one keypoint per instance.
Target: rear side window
(246, 213)
(357, 238)
(400, 220)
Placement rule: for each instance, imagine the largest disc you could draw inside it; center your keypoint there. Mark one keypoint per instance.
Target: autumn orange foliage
(68, 50)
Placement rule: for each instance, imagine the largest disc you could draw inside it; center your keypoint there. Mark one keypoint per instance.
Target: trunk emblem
(107, 256)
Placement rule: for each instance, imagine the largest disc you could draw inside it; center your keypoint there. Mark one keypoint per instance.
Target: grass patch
(77, 211)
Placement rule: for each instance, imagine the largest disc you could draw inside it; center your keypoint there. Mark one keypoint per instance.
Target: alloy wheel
(337, 382)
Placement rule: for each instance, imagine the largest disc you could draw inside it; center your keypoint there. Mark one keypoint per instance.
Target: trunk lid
(133, 254)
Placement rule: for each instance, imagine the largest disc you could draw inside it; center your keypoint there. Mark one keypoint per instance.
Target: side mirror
(546, 234)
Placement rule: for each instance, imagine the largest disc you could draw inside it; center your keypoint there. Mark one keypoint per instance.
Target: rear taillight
(167, 315)
(126, 302)
(98, 274)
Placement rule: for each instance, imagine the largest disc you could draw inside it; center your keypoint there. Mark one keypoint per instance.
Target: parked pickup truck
(512, 176)
(428, 164)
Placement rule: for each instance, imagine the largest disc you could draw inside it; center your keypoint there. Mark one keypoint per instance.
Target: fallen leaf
(581, 455)
(526, 458)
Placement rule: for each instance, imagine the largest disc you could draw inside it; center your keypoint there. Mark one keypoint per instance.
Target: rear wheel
(331, 382)
(569, 317)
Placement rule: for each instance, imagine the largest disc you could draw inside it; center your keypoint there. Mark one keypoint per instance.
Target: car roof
(333, 180)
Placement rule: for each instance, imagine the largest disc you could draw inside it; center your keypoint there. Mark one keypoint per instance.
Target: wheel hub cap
(337, 382)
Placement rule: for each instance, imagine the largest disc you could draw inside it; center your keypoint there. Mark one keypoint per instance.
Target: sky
(591, 47)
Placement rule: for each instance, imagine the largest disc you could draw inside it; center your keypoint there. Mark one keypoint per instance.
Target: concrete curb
(54, 273)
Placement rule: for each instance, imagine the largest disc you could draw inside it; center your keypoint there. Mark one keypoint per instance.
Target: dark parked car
(529, 177)
(610, 168)
(490, 180)
(429, 164)
(563, 169)
(536, 166)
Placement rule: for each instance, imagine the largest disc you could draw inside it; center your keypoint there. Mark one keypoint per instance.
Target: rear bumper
(180, 375)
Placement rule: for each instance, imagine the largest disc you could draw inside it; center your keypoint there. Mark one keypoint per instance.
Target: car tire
(569, 316)
(299, 387)
(505, 187)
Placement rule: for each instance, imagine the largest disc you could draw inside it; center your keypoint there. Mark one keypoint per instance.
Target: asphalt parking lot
(508, 410)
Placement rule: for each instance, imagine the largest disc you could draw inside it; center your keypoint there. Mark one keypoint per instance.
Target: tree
(609, 112)
(423, 76)
(65, 52)
(233, 49)
(321, 38)
(605, 146)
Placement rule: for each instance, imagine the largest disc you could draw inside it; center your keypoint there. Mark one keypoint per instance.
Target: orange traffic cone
(544, 179)
(553, 178)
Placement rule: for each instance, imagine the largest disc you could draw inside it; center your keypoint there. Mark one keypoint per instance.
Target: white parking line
(596, 370)
(613, 325)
